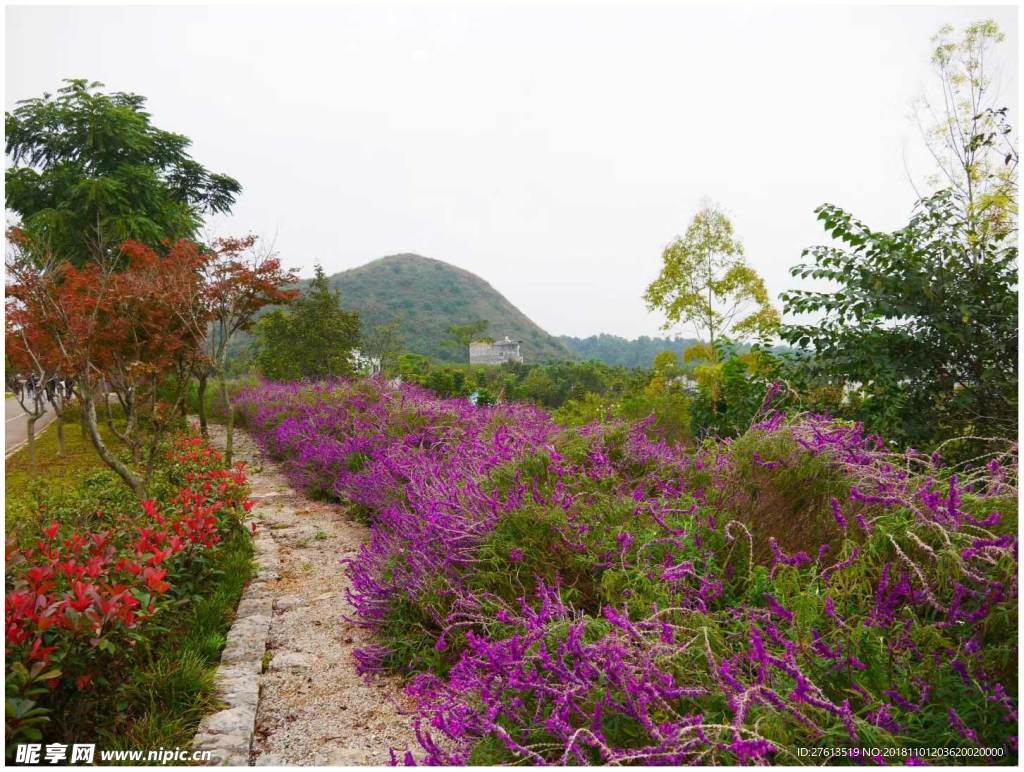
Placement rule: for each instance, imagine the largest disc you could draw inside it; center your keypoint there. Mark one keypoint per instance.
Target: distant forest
(638, 352)
(615, 350)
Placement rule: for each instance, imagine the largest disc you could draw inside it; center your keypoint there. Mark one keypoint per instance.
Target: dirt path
(313, 709)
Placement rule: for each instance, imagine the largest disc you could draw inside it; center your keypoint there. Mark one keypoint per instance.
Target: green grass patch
(31, 495)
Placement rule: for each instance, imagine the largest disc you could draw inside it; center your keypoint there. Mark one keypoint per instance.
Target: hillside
(428, 296)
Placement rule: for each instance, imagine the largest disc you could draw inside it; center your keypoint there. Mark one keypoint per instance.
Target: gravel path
(313, 708)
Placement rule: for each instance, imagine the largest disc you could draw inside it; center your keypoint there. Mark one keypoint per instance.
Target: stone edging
(228, 733)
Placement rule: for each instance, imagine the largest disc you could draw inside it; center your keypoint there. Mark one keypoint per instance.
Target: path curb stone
(288, 685)
(227, 734)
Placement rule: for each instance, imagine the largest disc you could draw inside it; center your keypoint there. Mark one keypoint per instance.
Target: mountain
(430, 295)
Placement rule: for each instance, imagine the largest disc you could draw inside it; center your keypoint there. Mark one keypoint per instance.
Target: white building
(487, 353)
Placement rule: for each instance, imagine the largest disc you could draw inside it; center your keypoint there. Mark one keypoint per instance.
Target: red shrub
(78, 603)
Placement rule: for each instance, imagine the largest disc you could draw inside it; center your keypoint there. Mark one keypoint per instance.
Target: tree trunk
(161, 429)
(135, 445)
(183, 408)
(131, 422)
(229, 420)
(31, 433)
(201, 391)
(109, 458)
(61, 451)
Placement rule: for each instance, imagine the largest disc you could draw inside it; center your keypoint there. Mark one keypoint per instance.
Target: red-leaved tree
(131, 324)
(31, 354)
(240, 279)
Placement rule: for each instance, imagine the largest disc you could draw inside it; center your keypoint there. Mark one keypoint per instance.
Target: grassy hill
(428, 296)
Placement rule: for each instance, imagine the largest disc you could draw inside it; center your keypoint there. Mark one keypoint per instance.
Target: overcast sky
(552, 150)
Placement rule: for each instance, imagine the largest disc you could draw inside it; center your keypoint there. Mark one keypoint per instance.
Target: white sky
(553, 150)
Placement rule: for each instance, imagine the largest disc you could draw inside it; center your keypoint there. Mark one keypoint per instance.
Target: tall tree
(240, 279)
(706, 283)
(313, 338)
(965, 126)
(88, 170)
(383, 344)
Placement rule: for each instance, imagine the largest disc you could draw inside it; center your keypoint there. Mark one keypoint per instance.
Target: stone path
(311, 708)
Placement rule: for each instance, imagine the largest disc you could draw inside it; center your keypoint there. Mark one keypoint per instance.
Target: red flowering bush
(81, 603)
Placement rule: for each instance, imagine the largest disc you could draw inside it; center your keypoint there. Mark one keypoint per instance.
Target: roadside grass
(170, 687)
(26, 490)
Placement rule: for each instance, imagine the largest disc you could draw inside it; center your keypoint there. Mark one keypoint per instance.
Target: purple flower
(682, 639)
(962, 729)
(751, 750)
(837, 513)
(778, 609)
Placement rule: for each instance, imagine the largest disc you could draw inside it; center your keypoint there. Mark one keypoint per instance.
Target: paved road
(16, 426)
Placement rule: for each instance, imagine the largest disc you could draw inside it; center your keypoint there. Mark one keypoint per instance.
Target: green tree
(923, 325)
(384, 342)
(484, 397)
(666, 364)
(313, 338)
(461, 335)
(88, 171)
(540, 387)
(726, 406)
(585, 409)
(965, 127)
(413, 367)
(706, 283)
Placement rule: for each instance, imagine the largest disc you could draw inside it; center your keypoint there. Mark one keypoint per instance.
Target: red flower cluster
(71, 596)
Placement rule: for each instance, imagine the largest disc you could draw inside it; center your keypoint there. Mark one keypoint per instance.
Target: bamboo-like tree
(966, 129)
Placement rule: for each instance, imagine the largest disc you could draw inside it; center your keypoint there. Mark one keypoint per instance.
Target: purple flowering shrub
(598, 596)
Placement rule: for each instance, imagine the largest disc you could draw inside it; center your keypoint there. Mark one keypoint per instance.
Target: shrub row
(83, 603)
(599, 596)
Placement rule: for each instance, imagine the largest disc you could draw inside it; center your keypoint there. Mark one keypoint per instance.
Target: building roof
(506, 342)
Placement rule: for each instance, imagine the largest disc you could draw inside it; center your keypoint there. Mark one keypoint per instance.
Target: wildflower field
(595, 595)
